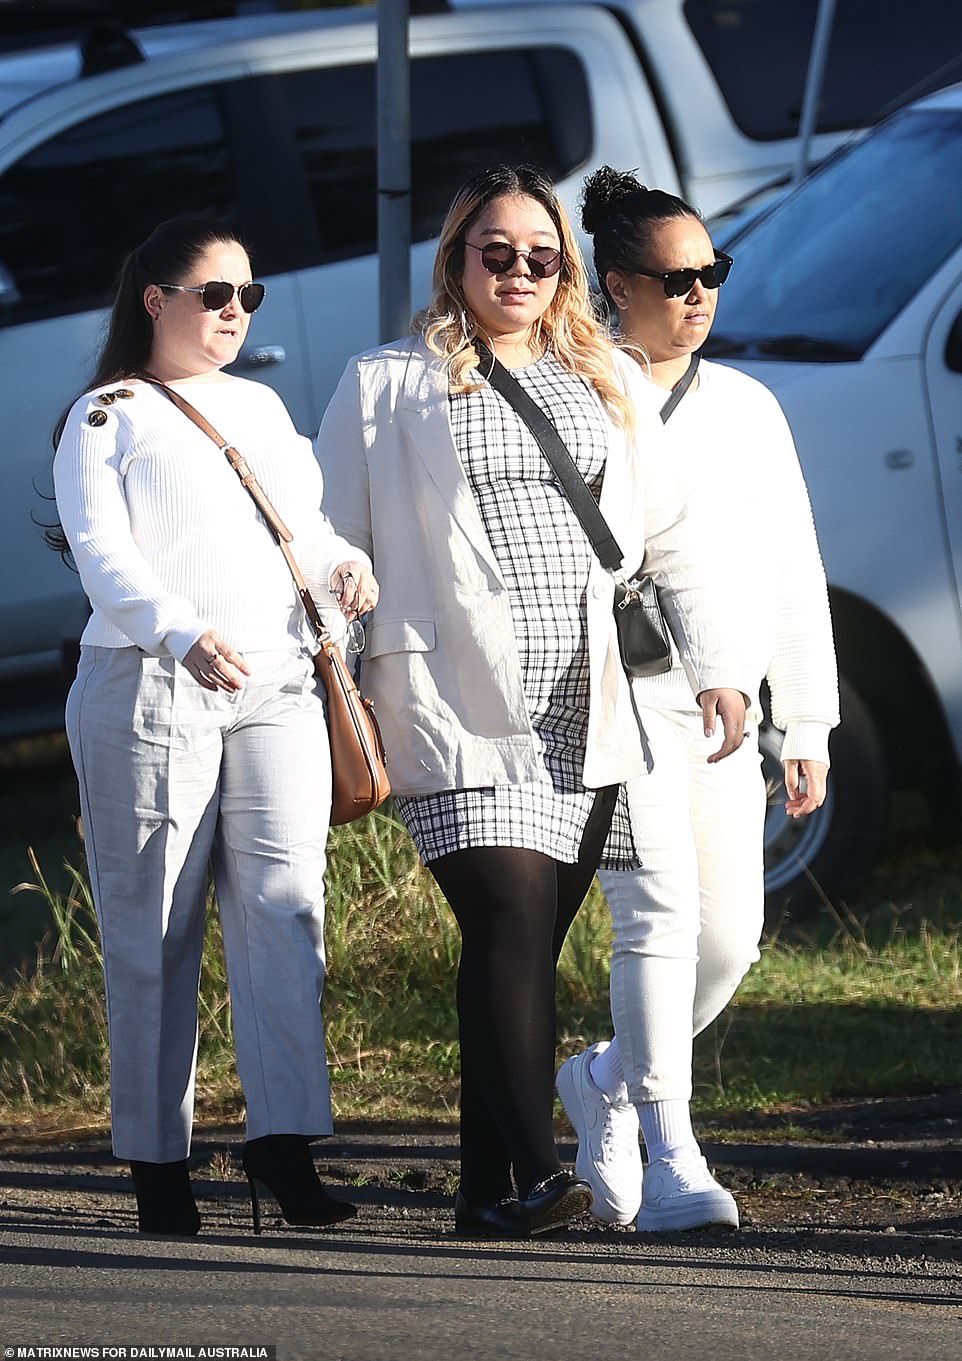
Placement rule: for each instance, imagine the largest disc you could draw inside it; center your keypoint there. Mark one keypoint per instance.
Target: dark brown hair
(167, 256)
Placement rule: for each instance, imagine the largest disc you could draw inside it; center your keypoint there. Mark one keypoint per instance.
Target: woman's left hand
(355, 588)
(729, 706)
(815, 775)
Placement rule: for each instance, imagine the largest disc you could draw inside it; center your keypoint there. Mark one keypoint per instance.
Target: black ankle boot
(282, 1164)
(165, 1202)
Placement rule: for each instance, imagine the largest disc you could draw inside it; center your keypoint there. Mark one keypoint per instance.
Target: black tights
(514, 908)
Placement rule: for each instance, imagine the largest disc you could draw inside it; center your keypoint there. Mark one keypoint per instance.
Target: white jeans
(687, 925)
(172, 776)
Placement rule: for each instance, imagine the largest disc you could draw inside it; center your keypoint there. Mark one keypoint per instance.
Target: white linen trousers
(173, 776)
(688, 923)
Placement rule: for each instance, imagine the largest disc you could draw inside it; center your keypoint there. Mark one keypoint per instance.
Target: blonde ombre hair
(569, 326)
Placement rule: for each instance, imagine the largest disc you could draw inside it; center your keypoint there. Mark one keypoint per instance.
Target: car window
(758, 51)
(72, 207)
(541, 113)
(831, 266)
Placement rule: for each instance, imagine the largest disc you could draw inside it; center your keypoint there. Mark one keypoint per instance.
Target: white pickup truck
(269, 120)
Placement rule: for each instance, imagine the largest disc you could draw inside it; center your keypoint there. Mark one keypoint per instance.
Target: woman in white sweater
(687, 924)
(195, 723)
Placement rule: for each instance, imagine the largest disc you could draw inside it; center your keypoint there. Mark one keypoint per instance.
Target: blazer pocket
(399, 635)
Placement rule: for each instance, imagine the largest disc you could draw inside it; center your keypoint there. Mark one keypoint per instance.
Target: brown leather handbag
(359, 780)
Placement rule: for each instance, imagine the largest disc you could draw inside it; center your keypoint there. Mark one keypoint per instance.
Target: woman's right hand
(354, 587)
(215, 665)
(729, 706)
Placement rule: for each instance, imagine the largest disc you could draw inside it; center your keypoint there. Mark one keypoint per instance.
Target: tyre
(828, 854)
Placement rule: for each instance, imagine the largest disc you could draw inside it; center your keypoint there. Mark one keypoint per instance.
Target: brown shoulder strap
(260, 498)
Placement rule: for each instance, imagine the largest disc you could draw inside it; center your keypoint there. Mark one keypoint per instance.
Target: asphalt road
(851, 1250)
(376, 1294)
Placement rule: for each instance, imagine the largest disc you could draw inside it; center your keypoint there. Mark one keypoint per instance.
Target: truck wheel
(828, 854)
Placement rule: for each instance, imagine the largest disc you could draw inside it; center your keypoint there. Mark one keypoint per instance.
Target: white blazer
(441, 662)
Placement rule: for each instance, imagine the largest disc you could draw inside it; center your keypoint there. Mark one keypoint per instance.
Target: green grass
(823, 1023)
(865, 1002)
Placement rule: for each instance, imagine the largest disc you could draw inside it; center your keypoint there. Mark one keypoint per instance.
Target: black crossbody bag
(643, 639)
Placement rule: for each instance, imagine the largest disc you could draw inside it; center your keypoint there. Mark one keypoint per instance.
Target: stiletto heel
(165, 1201)
(255, 1205)
(281, 1164)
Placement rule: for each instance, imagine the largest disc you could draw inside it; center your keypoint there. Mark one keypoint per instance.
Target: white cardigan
(441, 663)
(735, 450)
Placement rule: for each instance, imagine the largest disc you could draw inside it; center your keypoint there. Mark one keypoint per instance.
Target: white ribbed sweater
(166, 540)
(755, 522)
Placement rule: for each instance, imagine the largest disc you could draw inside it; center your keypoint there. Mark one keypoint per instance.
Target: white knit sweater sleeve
(89, 488)
(802, 675)
(695, 603)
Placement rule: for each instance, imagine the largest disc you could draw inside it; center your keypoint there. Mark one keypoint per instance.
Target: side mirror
(953, 346)
(9, 292)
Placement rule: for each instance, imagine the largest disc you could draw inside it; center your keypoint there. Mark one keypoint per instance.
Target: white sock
(608, 1075)
(666, 1126)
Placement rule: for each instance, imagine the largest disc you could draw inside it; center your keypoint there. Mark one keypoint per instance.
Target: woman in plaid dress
(492, 658)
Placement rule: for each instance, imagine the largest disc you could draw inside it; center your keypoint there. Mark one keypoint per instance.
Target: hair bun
(603, 192)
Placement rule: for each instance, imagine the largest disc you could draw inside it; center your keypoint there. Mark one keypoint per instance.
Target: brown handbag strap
(259, 496)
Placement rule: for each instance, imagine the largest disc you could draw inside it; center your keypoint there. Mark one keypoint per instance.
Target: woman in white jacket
(687, 924)
(492, 658)
(196, 725)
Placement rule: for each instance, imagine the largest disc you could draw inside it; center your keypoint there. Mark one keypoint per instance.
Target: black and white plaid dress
(544, 556)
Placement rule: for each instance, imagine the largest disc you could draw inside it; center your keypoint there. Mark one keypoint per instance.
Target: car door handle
(897, 459)
(264, 355)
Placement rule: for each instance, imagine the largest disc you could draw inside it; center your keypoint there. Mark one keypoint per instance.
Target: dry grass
(862, 1003)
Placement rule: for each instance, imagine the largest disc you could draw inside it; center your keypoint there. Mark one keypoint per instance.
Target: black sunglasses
(498, 257)
(679, 282)
(216, 294)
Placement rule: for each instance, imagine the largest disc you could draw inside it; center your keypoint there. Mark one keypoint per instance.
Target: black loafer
(502, 1220)
(554, 1202)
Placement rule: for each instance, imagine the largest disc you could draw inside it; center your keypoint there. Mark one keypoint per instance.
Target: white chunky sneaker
(682, 1194)
(609, 1154)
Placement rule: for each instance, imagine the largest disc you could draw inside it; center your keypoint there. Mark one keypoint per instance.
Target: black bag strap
(556, 452)
(679, 392)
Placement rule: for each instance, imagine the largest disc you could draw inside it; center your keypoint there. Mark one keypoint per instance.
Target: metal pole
(813, 84)
(393, 168)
